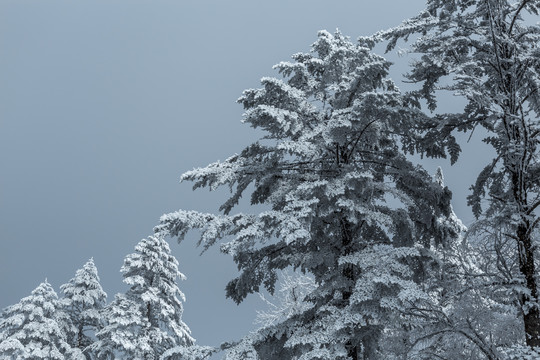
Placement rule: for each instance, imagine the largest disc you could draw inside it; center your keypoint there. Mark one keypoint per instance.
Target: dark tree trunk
(80, 334)
(531, 318)
(531, 314)
(348, 273)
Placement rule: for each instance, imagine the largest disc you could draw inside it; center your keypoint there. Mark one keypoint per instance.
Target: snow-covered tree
(192, 352)
(487, 52)
(152, 272)
(345, 204)
(146, 320)
(126, 333)
(83, 301)
(30, 329)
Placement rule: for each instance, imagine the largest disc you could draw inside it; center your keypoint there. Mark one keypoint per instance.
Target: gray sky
(103, 104)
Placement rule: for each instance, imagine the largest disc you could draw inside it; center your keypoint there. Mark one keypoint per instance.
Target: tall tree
(487, 52)
(84, 300)
(30, 329)
(346, 205)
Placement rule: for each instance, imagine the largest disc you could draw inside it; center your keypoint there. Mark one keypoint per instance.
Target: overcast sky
(103, 104)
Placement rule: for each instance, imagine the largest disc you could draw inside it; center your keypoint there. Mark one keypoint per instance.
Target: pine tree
(346, 205)
(84, 300)
(487, 52)
(30, 329)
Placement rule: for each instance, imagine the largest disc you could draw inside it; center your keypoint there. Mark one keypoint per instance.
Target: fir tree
(84, 300)
(30, 329)
(152, 272)
(146, 320)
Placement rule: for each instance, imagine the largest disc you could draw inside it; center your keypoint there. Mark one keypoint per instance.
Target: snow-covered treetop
(83, 302)
(30, 329)
(153, 266)
(42, 302)
(152, 273)
(146, 321)
(84, 291)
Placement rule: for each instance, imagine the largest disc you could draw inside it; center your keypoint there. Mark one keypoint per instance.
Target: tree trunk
(80, 334)
(348, 273)
(531, 318)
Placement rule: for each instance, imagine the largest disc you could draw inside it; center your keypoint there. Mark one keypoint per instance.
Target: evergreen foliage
(487, 52)
(30, 330)
(125, 335)
(383, 268)
(192, 352)
(152, 272)
(146, 320)
(83, 301)
(347, 206)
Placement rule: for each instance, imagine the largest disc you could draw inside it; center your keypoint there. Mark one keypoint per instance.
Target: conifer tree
(487, 52)
(346, 205)
(84, 300)
(30, 329)
(125, 334)
(146, 320)
(152, 272)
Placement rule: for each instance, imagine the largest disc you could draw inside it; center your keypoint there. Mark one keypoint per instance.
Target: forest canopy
(358, 243)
